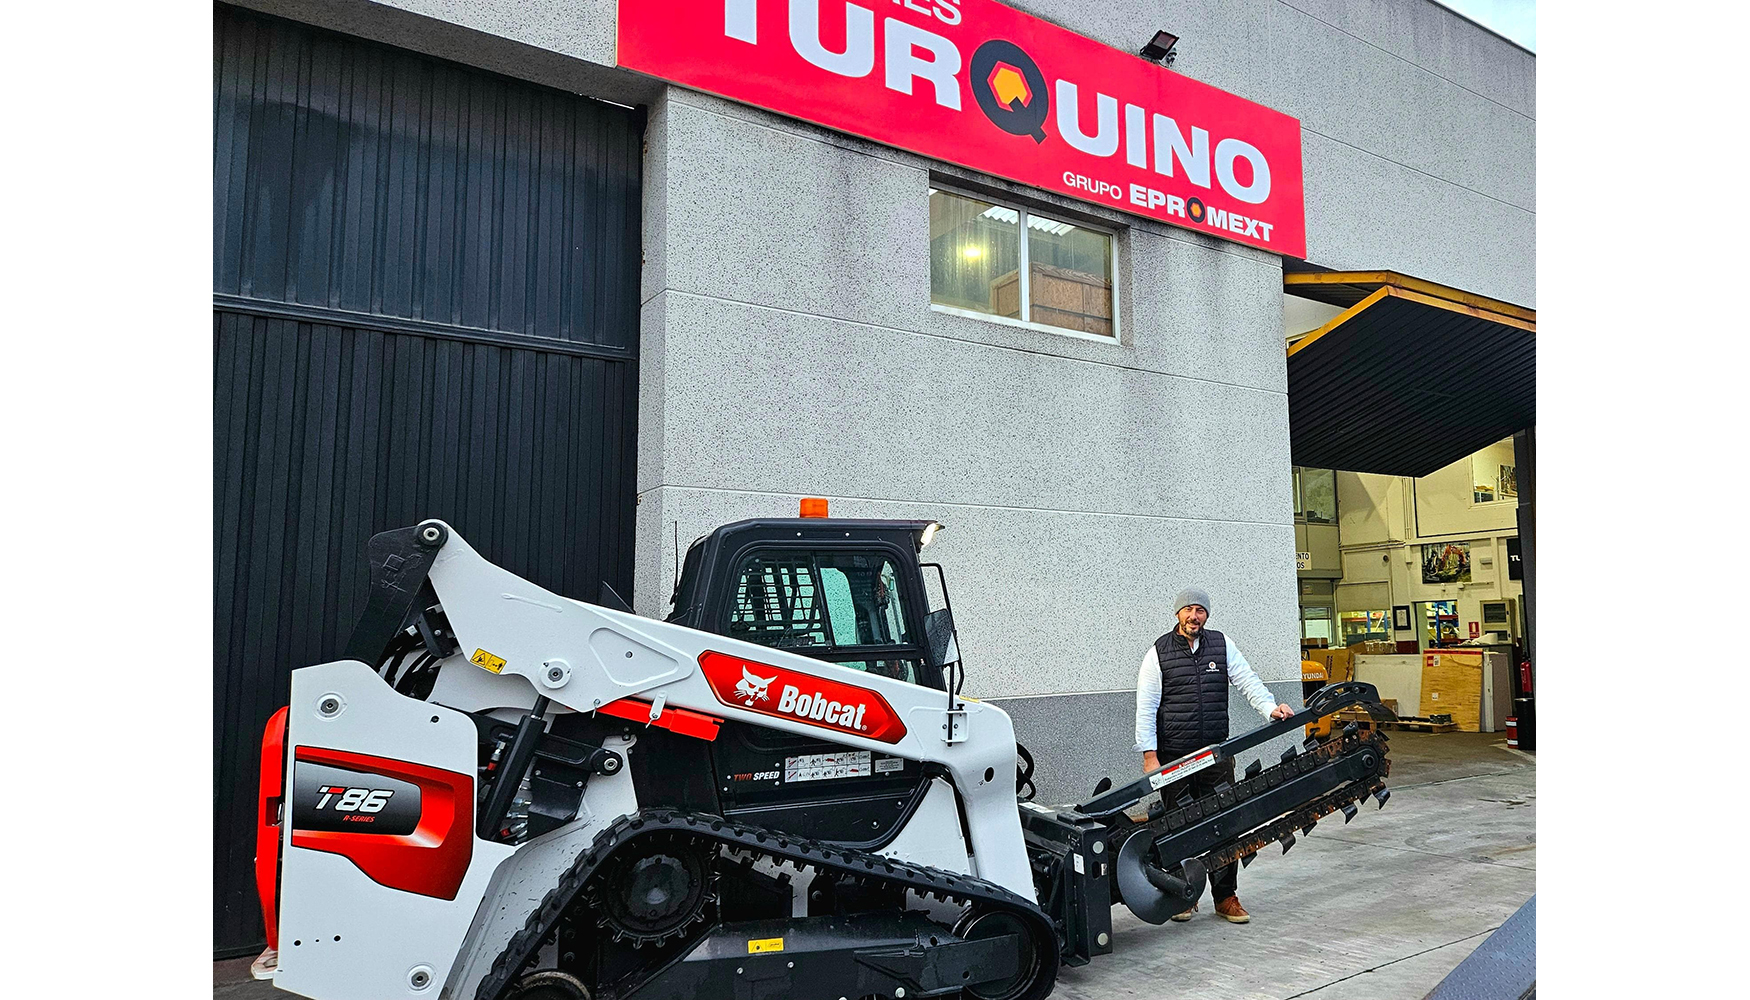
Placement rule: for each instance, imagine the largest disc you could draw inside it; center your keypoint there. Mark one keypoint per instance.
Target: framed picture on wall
(1446, 562)
(1509, 481)
(1400, 617)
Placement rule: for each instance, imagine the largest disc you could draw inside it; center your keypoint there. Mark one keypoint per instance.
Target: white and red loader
(499, 792)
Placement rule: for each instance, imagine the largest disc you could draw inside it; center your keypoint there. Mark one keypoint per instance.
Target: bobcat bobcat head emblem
(751, 688)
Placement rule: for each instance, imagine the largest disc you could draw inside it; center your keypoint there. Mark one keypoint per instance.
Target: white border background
(108, 465)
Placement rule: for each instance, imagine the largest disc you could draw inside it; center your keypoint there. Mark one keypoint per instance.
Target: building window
(1366, 626)
(1494, 474)
(1315, 496)
(1058, 277)
(1315, 625)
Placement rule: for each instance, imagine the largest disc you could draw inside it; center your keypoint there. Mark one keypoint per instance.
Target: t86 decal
(333, 798)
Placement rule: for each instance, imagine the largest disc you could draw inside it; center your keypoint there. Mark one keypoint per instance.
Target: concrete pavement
(1380, 909)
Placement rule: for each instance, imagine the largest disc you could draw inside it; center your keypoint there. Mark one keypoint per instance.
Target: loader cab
(843, 590)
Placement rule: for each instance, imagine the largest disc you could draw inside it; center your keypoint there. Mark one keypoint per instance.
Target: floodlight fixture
(1160, 48)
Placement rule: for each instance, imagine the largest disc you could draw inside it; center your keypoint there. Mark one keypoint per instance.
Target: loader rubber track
(778, 846)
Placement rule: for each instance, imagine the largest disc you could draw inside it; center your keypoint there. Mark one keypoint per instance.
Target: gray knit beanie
(1190, 596)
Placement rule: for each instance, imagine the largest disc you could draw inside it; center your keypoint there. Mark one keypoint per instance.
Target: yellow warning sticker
(762, 945)
(482, 658)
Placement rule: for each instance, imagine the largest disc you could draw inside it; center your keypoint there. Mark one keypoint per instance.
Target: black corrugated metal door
(425, 305)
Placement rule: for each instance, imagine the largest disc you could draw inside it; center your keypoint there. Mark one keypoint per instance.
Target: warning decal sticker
(822, 766)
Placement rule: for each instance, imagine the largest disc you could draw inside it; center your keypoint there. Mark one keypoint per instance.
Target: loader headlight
(929, 533)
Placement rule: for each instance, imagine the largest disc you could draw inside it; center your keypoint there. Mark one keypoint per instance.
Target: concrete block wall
(1082, 483)
(1418, 127)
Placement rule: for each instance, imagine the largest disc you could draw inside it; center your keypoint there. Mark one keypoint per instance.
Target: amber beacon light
(814, 506)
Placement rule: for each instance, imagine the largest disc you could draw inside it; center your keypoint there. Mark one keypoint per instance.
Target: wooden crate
(1061, 297)
(1453, 685)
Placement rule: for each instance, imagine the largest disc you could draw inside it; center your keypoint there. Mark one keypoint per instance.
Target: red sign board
(992, 89)
(788, 694)
(1476, 629)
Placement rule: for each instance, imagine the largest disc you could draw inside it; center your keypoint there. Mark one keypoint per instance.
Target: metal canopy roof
(1411, 377)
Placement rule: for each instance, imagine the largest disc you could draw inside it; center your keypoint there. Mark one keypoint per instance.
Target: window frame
(1024, 266)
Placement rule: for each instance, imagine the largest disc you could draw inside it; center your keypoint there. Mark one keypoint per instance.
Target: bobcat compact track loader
(498, 792)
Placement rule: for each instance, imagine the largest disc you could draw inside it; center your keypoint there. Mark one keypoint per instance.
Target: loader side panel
(815, 788)
(360, 913)
(406, 826)
(268, 820)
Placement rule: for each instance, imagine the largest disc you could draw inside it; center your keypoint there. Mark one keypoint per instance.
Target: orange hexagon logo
(1009, 85)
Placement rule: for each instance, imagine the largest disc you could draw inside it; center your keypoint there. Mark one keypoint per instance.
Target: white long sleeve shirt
(1148, 689)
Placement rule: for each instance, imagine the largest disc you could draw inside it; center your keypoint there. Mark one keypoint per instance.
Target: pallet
(1419, 726)
(1410, 724)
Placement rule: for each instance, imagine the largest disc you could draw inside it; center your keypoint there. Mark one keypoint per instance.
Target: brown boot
(1233, 911)
(1182, 917)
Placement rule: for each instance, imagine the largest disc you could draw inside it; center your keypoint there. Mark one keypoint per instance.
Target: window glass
(1366, 626)
(778, 603)
(1319, 495)
(1440, 624)
(1495, 474)
(1060, 276)
(821, 603)
(1069, 276)
(975, 255)
(905, 670)
(887, 602)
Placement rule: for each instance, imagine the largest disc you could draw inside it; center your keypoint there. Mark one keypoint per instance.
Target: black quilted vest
(1193, 709)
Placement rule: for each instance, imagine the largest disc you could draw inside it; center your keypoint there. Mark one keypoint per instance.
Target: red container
(1512, 732)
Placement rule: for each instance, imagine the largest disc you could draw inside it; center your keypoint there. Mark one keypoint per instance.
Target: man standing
(1181, 706)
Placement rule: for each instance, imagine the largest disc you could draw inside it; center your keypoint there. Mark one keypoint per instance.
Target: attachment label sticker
(1183, 768)
(483, 659)
(822, 766)
(760, 946)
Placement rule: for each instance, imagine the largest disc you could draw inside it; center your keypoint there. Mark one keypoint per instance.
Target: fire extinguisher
(1525, 677)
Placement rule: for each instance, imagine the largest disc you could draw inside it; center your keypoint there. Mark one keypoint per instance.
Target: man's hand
(1281, 712)
(1149, 761)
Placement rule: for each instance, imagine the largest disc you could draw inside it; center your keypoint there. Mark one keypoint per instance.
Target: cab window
(829, 605)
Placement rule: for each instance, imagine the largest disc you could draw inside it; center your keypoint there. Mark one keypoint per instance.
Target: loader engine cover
(340, 800)
(790, 694)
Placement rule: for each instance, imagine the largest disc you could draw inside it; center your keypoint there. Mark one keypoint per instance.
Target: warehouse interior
(1412, 428)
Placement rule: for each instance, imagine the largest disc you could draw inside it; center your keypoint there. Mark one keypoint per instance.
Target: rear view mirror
(939, 638)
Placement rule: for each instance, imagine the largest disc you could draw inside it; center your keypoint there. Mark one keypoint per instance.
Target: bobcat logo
(751, 688)
(1212, 668)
